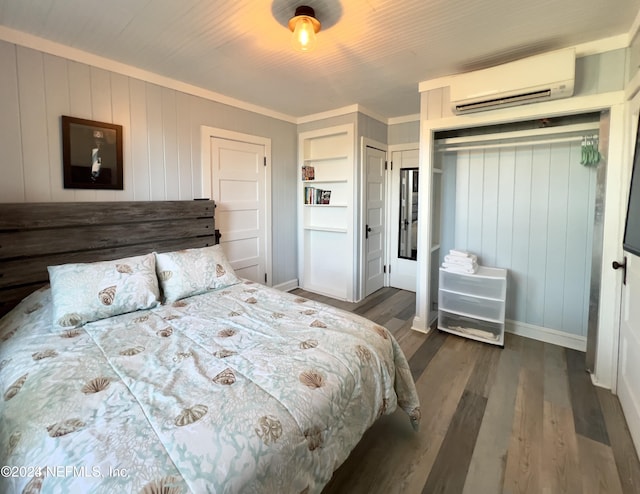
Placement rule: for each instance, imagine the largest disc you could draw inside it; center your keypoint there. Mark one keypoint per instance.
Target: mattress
(244, 389)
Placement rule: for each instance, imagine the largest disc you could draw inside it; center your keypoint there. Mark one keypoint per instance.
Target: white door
(628, 362)
(238, 186)
(375, 224)
(403, 268)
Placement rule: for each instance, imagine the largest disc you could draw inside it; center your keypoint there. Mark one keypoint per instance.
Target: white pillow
(86, 292)
(192, 271)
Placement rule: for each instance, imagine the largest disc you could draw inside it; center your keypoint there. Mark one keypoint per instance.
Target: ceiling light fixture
(304, 26)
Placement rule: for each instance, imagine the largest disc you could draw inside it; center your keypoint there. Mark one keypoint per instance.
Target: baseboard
(547, 335)
(420, 325)
(287, 285)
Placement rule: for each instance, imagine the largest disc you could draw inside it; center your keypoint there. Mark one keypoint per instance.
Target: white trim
(547, 335)
(420, 326)
(345, 110)
(51, 47)
(206, 133)
(287, 286)
(635, 27)
(372, 114)
(616, 186)
(338, 112)
(633, 86)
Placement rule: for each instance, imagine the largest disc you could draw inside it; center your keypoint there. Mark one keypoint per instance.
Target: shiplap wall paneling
(156, 164)
(170, 144)
(505, 201)
(601, 72)
(102, 111)
(538, 222)
(447, 163)
(556, 234)
(12, 183)
(578, 259)
(33, 125)
(161, 138)
(461, 220)
(436, 103)
(517, 281)
(139, 142)
(490, 179)
(80, 106)
(185, 158)
(57, 103)
(121, 111)
(529, 209)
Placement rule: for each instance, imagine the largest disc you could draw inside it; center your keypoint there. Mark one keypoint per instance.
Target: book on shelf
(313, 195)
(308, 172)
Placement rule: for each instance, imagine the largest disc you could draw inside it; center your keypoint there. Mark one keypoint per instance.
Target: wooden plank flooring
(523, 419)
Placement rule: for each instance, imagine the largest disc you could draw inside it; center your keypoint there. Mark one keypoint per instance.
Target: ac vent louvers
(505, 101)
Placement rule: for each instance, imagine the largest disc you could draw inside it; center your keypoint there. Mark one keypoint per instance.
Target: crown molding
(76, 55)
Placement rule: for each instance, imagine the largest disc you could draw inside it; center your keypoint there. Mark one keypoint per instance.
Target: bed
(227, 386)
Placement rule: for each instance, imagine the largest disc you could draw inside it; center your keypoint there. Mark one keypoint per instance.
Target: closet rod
(549, 132)
(531, 142)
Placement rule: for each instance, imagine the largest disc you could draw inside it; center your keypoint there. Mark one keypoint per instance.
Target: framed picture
(91, 154)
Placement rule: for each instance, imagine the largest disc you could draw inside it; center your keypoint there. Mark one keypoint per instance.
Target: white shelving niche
(326, 230)
(473, 305)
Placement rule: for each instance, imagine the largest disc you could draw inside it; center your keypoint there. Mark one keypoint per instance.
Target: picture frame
(91, 154)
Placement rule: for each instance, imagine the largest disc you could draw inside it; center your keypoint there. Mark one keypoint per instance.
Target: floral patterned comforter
(240, 390)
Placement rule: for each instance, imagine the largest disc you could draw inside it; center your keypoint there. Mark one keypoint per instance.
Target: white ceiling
(370, 52)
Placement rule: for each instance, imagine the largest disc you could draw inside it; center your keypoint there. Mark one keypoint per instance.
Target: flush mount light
(304, 26)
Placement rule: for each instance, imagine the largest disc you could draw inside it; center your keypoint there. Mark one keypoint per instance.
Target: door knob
(623, 266)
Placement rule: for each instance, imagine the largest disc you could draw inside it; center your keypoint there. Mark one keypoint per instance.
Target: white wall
(161, 128)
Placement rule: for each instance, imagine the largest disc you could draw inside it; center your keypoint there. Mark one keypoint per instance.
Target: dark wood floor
(523, 419)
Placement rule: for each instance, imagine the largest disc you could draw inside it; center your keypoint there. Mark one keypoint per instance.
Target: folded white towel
(461, 260)
(459, 253)
(460, 268)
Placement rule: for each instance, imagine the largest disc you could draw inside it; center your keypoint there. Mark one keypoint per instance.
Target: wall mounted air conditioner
(530, 80)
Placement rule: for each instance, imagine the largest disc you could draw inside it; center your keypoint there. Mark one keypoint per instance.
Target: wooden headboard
(36, 235)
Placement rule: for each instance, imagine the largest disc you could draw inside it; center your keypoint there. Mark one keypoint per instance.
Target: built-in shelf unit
(326, 211)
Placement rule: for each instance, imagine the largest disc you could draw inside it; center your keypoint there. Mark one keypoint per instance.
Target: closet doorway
(524, 197)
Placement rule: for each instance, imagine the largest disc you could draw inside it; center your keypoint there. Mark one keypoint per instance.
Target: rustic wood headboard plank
(36, 235)
(29, 243)
(58, 214)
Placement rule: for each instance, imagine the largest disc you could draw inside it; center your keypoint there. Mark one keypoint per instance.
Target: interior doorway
(237, 176)
(403, 223)
(375, 227)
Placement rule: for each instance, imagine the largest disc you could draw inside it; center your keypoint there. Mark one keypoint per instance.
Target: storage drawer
(468, 326)
(472, 284)
(474, 306)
